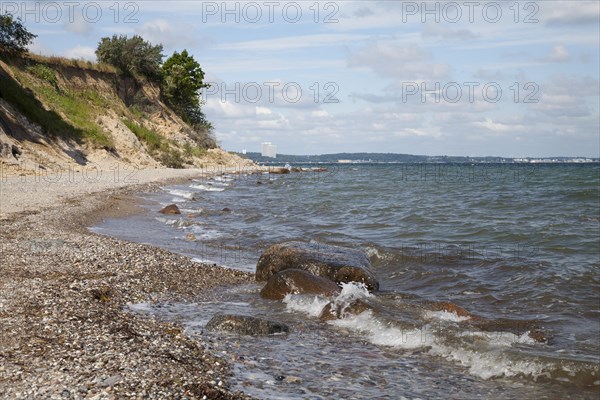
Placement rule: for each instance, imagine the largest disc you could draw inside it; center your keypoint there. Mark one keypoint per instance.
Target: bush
(133, 56)
(44, 73)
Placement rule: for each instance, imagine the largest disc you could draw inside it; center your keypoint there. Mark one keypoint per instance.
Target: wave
(182, 195)
(485, 354)
(207, 188)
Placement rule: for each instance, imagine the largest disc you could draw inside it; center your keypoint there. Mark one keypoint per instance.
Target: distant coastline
(393, 158)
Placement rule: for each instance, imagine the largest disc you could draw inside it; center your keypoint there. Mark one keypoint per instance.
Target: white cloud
(558, 54)
(172, 35)
(493, 126)
(292, 42)
(398, 61)
(81, 52)
(79, 25)
(570, 12)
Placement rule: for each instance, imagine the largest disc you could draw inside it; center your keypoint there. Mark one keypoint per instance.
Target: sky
(470, 78)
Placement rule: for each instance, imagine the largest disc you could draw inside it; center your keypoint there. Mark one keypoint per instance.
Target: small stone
(171, 209)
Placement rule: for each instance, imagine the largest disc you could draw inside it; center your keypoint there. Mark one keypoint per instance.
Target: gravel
(66, 333)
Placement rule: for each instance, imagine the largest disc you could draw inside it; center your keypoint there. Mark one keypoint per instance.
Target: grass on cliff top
(71, 62)
(70, 114)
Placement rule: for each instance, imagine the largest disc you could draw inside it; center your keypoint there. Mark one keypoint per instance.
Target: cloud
(398, 61)
(79, 26)
(444, 32)
(293, 42)
(81, 52)
(570, 12)
(558, 54)
(171, 34)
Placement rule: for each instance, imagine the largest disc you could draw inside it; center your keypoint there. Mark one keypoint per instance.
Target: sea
(506, 242)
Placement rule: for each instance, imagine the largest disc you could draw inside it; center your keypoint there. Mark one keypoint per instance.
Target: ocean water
(507, 242)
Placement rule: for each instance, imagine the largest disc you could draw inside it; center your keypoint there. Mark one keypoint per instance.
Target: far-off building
(268, 149)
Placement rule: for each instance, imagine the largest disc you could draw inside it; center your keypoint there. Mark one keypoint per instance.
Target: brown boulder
(333, 262)
(297, 281)
(171, 209)
(338, 311)
(279, 171)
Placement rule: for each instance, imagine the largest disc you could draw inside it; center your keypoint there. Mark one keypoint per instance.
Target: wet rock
(333, 262)
(451, 308)
(517, 327)
(191, 237)
(338, 311)
(279, 171)
(245, 325)
(297, 281)
(171, 209)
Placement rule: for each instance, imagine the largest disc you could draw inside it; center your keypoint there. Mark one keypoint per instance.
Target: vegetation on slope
(66, 98)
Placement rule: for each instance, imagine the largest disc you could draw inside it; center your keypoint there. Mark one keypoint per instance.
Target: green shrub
(147, 136)
(44, 73)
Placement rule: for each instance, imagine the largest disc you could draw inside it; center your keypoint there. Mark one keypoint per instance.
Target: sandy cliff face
(58, 114)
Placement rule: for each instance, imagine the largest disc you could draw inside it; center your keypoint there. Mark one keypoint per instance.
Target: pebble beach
(66, 332)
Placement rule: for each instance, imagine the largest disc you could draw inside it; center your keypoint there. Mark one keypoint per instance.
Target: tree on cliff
(14, 37)
(182, 80)
(131, 55)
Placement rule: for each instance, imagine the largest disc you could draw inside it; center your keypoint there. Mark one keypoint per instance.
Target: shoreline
(63, 291)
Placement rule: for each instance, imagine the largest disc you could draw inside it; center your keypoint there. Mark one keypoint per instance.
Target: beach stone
(333, 311)
(171, 209)
(333, 262)
(191, 237)
(5, 150)
(245, 325)
(297, 281)
(279, 171)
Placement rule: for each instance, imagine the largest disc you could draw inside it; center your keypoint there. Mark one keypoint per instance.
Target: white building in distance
(268, 149)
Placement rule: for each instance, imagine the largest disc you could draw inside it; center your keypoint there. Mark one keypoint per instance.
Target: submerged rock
(338, 311)
(297, 281)
(451, 308)
(333, 262)
(245, 325)
(279, 171)
(171, 209)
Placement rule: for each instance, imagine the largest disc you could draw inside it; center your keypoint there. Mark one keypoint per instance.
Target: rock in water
(336, 263)
(171, 209)
(297, 281)
(245, 325)
(340, 311)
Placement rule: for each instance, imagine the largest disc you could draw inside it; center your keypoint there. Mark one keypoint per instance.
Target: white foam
(445, 316)
(487, 363)
(311, 306)
(181, 193)
(383, 334)
(207, 188)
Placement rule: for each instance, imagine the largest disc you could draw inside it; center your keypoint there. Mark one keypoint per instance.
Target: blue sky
(516, 78)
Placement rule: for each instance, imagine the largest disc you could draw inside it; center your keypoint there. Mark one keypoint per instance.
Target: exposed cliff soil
(58, 114)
